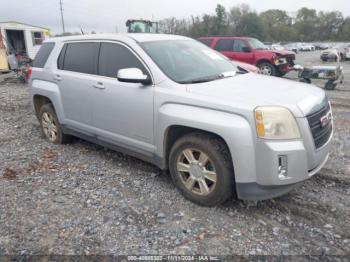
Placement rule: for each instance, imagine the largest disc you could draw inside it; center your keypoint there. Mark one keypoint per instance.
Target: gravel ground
(84, 199)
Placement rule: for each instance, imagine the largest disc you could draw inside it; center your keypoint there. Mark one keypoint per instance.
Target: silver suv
(182, 106)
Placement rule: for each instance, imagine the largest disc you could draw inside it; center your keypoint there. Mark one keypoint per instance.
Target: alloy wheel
(196, 171)
(265, 70)
(49, 126)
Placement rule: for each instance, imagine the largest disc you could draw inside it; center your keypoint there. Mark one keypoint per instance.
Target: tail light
(29, 72)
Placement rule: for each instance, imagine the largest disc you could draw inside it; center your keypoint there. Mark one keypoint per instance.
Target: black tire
(330, 85)
(60, 138)
(218, 155)
(267, 69)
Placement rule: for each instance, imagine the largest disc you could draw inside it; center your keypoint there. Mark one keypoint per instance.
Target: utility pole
(64, 30)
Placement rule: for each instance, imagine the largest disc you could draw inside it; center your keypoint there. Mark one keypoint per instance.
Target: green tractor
(142, 26)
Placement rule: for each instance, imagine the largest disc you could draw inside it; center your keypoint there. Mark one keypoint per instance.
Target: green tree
(235, 16)
(329, 25)
(220, 21)
(208, 24)
(306, 22)
(272, 25)
(277, 25)
(250, 25)
(344, 32)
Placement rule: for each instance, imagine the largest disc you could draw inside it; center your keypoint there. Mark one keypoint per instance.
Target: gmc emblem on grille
(325, 120)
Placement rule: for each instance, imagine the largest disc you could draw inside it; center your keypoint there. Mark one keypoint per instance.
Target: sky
(104, 16)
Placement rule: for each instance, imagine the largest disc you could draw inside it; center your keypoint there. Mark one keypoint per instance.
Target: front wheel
(201, 168)
(267, 69)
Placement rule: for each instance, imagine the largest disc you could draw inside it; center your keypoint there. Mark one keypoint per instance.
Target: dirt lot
(84, 199)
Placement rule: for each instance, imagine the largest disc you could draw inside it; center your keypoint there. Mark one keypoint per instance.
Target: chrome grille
(321, 132)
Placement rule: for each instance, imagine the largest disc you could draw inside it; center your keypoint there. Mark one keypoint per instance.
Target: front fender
(234, 129)
(52, 92)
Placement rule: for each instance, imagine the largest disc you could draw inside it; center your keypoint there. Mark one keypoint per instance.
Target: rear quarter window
(43, 54)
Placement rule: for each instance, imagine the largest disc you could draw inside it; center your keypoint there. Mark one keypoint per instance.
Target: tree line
(273, 25)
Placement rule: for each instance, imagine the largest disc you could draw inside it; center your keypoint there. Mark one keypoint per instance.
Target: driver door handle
(99, 85)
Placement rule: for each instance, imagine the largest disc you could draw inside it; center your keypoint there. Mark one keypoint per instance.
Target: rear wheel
(50, 126)
(267, 69)
(201, 168)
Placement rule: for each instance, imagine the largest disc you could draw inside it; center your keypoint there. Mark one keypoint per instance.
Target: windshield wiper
(209, 78)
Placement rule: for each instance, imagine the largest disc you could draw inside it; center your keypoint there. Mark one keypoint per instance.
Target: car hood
(332, 51)
(247, 91)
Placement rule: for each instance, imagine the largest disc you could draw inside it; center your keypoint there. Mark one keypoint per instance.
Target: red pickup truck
(252, 51)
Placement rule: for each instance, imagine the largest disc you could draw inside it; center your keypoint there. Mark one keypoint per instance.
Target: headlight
(274, 122)
(280, 61)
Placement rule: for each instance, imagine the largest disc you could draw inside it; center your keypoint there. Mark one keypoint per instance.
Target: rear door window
(81, 57)
(239, 46)
(207, 41)
(224, 45)
(43, 54)
(114, 57)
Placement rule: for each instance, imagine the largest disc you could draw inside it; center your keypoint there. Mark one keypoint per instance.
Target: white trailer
(23, 39)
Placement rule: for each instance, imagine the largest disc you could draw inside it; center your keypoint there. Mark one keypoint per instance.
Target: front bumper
(299, 160)
(255, 191)
(285, 64)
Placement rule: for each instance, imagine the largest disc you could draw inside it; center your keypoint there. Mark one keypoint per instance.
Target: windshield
(256, 44)
(189, 61)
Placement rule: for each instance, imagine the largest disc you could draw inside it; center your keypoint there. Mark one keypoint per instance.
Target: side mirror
(246, 49)
(133, 75)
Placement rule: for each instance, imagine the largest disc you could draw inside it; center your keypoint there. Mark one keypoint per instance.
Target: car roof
(139, 37)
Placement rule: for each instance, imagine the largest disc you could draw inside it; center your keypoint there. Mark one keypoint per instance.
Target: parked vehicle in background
(330, 55)
(343, 50)
(347, 52)
(291, 47)
(337, 53)
(307, 47)
(252, 51)
(277, 47)
(142, 26)
(268, 45)
(322, 46)
(184, 107)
